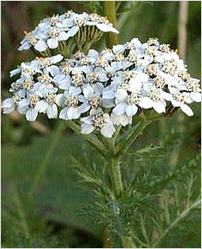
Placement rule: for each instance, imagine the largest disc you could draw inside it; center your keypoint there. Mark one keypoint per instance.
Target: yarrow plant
(108, 97)
(106, 89)
(66, 32)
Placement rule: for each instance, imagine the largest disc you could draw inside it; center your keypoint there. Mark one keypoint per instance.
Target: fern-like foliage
(158, 199)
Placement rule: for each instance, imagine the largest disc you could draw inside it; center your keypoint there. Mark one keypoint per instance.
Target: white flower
(39, 65)
(155, 98)
(46, 63)
(50, 31)
(28, 107)
(104, 27)
(55, 36)
(92, 97)
(101, 89)
(8, 105)
(181, 100)
(44, 86)
(71, 101)
(63, 81)
(15, 71)
(128, 103)
(49, 105)
(98, 121)
(128, 95)
(193, 86)
(122, 119)
(33, 39)
(101, 23)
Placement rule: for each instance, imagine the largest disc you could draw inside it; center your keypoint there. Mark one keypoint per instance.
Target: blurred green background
(54, 218)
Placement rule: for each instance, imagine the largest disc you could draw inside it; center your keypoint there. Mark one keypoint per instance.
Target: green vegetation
(45, 202)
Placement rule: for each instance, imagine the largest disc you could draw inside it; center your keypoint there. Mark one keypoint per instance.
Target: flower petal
(146, 103)
(88, 91)
(73, 113)
(63, 36)
(73, 31)
(23, 106)
(121, 95)
(52, 111)
(131, 110)
(60, 99)
(102, 77)
(118, 49)
(31, 114)
(8, 105)
(52, 43)
(120, 108)
(57, 58)
(121, 119)
(64, 113)
(40, 46)
(14, 72)
(41, 106)
(86, 128)
(93, 53)
(159, 106)
(106, 28)
(187, 110)
(84, 107)
(107, 130)
(195, 96)
(108, 94)
(53, 70)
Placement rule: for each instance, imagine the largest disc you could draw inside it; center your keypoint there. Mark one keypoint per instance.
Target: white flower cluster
(34, 91)
(52, 31)
(104, 89)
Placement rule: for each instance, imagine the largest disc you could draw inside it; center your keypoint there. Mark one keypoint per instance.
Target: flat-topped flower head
(101, 89)
(56, 31)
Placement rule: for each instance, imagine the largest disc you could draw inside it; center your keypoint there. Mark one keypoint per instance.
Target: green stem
(110, 12)
(116, 174)
(127, 241)
(44, 163)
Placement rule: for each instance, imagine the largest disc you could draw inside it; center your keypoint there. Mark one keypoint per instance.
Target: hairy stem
(110, 12)
(128, 242)
(116, 174)
(115, 162)
(107, 243)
